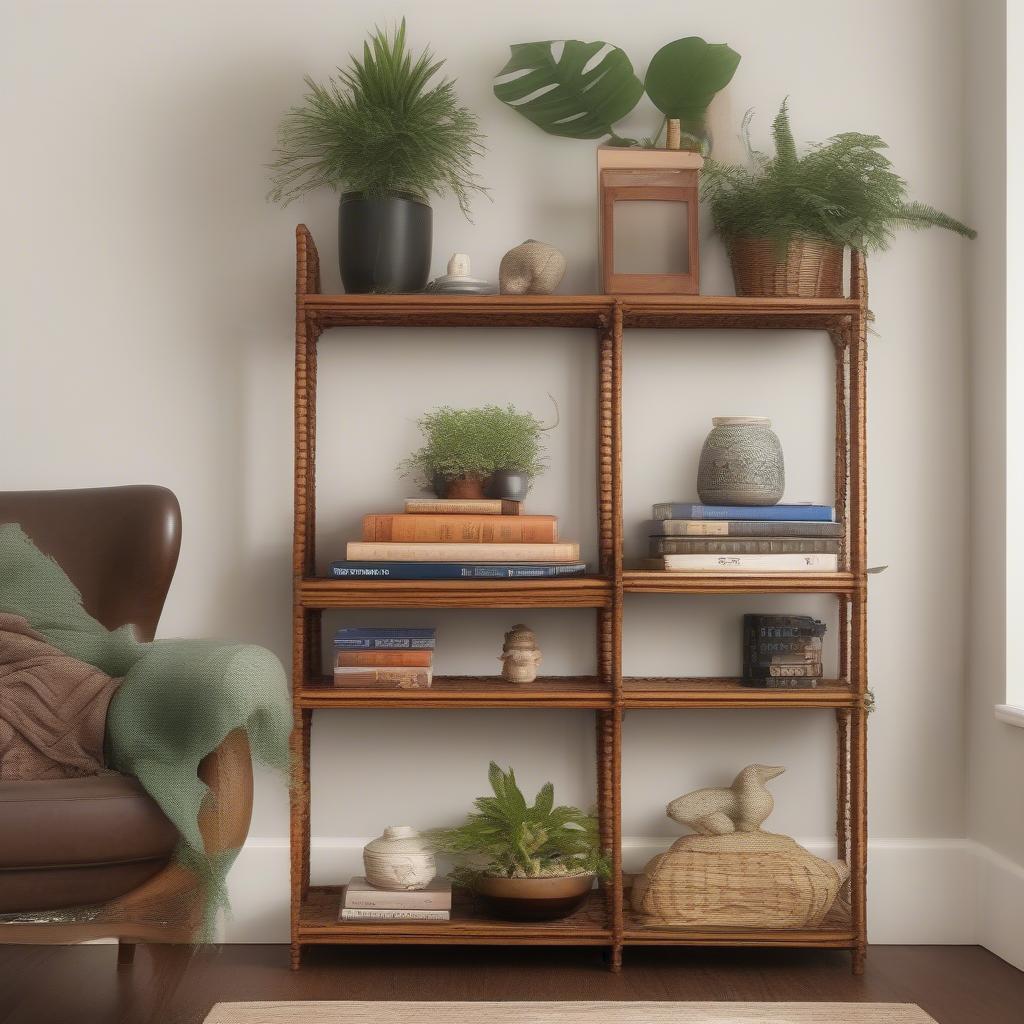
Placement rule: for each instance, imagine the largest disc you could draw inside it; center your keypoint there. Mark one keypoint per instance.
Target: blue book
(771, 513)
(369, 638)
(456, 570)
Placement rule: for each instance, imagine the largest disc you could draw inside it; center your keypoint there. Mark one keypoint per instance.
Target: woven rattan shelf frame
(604, 920)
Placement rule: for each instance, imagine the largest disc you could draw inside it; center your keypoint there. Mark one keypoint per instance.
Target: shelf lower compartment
(653, 581)
(464, 691)
(318, 923)
(726, 692)
(570, 592)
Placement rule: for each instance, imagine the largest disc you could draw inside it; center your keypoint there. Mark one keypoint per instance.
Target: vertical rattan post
(618, 923)
(858, 621)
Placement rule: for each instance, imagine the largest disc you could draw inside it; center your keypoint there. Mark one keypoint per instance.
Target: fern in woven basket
(843, 191)
(509, 838)
(380, 128)
(477, 442)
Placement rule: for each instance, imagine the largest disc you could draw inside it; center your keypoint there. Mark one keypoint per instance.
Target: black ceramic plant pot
(384, 244)
(511, 484)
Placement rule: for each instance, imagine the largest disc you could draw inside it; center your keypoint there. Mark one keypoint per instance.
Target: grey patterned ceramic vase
(741, 463)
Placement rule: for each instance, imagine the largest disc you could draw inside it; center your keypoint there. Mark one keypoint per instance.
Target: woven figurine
(732, 874)
(533, 268)
(520, 656)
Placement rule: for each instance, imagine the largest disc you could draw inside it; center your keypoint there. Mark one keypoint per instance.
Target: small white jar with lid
(399, 860)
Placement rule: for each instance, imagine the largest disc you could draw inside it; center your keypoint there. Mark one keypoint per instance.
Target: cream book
(360, 895)
(380, 551)
(751, 563)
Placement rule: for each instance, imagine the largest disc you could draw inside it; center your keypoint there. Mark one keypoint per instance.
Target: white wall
(147, 326)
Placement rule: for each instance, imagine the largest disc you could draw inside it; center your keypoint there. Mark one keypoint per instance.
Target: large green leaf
(684, 76)
(565, 97)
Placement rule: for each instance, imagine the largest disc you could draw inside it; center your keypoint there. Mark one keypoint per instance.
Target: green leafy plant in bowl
(525, 861)
(464, 448)
(579, 90)
(786, 219)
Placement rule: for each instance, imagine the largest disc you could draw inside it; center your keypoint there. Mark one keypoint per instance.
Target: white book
(752, 563)
(360, 895)
(358, 914)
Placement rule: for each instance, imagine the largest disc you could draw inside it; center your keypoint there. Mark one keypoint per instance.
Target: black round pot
(511, 484)
(384, 244)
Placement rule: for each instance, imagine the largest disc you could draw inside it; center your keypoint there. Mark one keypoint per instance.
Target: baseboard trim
(920, 891)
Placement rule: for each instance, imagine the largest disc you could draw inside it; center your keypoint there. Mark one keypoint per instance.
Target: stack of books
(782, 651)
(738, 538)
(363, 902)
(445, 539)
(394, 656)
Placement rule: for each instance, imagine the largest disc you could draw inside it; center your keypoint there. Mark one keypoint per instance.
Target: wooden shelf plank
(318, 923)
(570, 592)
(724, 692)
(463, 692)
(678, 312)
(652, 581)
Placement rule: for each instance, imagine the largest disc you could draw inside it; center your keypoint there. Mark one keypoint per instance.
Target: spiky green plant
(476, 442)
(510, 838)
(380, 128)
(843, 190)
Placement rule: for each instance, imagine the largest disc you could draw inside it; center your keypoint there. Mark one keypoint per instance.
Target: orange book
(460, 529)
(384, 659)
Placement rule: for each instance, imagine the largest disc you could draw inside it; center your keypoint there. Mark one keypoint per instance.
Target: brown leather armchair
(102, 843)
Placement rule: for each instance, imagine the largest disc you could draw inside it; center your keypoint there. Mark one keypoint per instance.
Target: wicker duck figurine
(732, 874)
(741, 807)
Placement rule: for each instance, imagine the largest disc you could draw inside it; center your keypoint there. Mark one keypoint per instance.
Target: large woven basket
(811, 268)
(739, 880)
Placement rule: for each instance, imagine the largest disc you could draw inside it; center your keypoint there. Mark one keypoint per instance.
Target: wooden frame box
(637, 175)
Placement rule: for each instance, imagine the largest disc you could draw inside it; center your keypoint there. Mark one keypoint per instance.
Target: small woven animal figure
(742, 807)
(532, 268)
(520, 656)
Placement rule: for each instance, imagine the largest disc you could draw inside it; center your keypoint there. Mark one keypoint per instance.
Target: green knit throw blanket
(177, 701)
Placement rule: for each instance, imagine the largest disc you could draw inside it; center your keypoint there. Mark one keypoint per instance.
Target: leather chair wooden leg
(125, 954)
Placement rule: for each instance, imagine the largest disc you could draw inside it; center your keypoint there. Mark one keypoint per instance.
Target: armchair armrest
(226, 813)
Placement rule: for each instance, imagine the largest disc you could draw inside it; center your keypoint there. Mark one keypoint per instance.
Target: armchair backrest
(119, 546)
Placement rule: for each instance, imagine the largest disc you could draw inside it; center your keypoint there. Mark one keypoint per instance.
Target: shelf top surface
(666, 311)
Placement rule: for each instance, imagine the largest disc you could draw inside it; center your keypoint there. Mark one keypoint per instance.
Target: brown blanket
(53, 709)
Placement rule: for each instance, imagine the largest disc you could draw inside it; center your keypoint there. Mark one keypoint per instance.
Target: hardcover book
(386, 638)
(355, 914)
(744, 546)
(743, 528)
(398, 678)
(792, 513)
(463, 507)
(360, 895)
(751, 563)
(384, 659)
(461, 529)
(362, 551)
(782, 650)
(456, 570)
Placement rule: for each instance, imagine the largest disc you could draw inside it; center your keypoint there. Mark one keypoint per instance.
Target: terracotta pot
(533, 899)
(462, 487)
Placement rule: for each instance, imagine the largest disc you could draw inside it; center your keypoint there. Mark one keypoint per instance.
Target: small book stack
(450, 539)
(745, 538)
(782, 651)
(364, 902)
(394, 656)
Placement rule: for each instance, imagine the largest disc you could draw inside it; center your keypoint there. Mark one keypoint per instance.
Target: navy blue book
(368, 638)
(787, 513)
(456, 570)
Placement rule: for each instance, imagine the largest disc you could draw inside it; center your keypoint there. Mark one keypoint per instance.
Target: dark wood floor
(174, 985)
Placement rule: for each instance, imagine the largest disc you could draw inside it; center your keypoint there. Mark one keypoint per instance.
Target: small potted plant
(786, 219)
(387, 139)
(525, 862)
(491, 451)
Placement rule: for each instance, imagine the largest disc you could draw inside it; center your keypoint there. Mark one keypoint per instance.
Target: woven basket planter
(739, 880)
(811, 269)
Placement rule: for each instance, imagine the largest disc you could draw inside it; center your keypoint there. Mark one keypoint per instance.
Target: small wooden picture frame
(626, 175)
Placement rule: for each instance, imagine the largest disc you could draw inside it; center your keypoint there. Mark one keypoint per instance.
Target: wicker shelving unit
(605, 920)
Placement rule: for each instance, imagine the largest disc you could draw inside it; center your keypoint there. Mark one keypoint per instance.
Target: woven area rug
(567, 1013)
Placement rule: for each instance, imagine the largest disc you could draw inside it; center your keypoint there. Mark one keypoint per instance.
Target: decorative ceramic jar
(741, 463)
(400, 859)
(520, 655)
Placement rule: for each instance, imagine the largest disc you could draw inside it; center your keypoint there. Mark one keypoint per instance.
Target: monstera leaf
(564, 96)
(684, 76)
